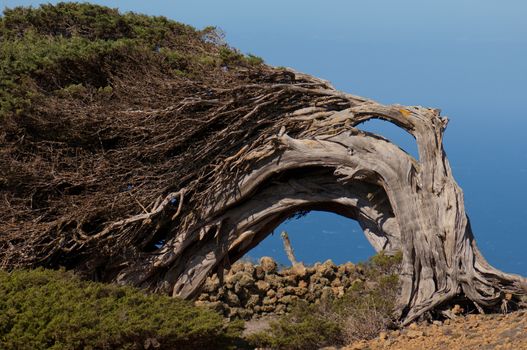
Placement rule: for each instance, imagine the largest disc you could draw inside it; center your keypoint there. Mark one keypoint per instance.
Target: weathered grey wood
(288, 248)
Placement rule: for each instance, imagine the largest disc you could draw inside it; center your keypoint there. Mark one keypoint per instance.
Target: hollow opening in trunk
(393, 133)
(318, 192)
(315, 236)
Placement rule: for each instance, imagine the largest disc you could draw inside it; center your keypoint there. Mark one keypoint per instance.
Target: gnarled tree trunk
(300, 149)
(406, 204)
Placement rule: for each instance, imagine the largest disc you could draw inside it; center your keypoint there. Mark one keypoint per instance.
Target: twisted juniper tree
(169, 177)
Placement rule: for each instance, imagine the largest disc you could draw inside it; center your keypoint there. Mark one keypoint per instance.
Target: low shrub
(304, 328)
(50, 47)
(366, 309)
(45, 309)
(253, 59)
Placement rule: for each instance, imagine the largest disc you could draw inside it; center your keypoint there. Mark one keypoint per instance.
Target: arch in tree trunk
(301, 189)
(293, 146)
(405, 204)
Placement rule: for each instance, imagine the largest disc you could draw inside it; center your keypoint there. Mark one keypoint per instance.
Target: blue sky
(467, 57)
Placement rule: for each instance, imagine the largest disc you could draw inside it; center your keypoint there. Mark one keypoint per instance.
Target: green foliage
(53, 63)
(48, 48)
(105, 90)
(303, 328)
(254, 60)
(367, 308)
(174, 58)
(91, 22)
(208, 60)
(44, 309)
(229, 56)
(384, 264)
(72, 90)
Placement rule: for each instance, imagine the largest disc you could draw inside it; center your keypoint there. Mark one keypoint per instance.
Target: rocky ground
(260, 293)
(486, 332)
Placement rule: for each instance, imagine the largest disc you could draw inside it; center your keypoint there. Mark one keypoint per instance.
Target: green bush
(51, 47)
(45, 309)
(52, 63)
(366, 309)
(254, 60)
(91, 22)
(303, 328)
(229, 56)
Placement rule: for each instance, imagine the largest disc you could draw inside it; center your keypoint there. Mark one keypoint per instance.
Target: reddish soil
(486, 332)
